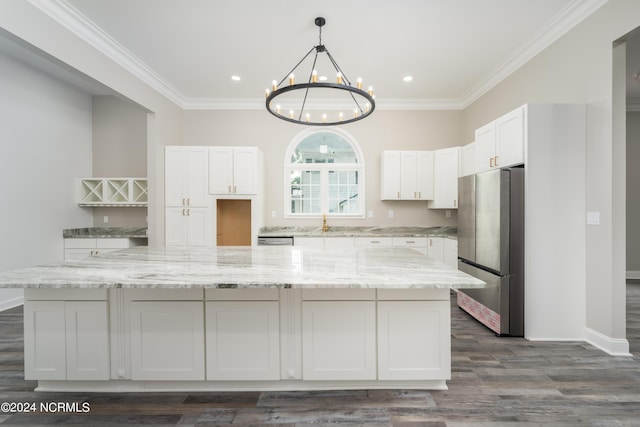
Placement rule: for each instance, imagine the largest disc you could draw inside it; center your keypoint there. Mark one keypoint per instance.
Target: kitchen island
(239, 318)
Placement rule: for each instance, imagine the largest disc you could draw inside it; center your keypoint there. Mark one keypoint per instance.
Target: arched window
(324, 174)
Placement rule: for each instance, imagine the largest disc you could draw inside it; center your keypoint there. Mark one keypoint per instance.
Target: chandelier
(318, 102)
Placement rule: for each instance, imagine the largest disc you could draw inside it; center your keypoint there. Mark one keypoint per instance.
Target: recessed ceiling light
(235, 78)
(407, 78)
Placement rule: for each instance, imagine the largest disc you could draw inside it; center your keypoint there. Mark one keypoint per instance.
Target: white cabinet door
(167, 340)
(485, 147)
(424, 175)
(339, 242)
(407, 348)
(468, 159)
(338, 340)
(186, 171)
(451, 252)
(510, 138)
(87, 340)
(446, 179)
(221, 170)
(243, 339)
(66, 340)
(374, 242)
(390, 173)
(245, 169)
(408, 175)
(233, 170)
(188, 226)
(435, 248)
(317, 242)
(44, 340)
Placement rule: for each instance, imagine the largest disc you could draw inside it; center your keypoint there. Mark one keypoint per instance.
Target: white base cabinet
(66, 339)
(167, 340)
(243, 340)
(406, 348)
(338, 340)
(237, 339)
(81, 247)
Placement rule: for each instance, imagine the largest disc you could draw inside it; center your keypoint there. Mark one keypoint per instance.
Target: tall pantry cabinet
(188, 211)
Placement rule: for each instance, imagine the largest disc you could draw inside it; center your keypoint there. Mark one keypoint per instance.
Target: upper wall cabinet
(467, 165)
(501, 142)
(186, 171)
(407, 175)
(445, 186)
(123, 192)
(233, 170)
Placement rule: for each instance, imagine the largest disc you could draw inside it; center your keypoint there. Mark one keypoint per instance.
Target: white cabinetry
(374, 242)
(339, 335)
(467, 165)
(406, 348)
(445, 186)
(77, 248)
(416, 243)
(233, 170)
(407, 175)
(243, 340)
(167, 340)
(123, 192)
(444, 250)
(501, 142)
(188, 215)
(66, 335)
(435, 248)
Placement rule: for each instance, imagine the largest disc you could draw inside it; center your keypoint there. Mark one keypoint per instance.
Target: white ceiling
(456, 50)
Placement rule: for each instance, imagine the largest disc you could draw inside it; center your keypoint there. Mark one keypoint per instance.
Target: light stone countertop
(246, 267)
(358, 231)
(105, 232)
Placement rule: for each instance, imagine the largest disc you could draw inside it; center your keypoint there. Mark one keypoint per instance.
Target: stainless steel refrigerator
(491, 247)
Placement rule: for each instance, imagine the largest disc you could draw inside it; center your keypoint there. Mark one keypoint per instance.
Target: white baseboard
(7, 304)
(633, 274)
(612, 346)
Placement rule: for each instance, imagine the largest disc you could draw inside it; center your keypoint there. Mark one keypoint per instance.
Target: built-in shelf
(113, 192)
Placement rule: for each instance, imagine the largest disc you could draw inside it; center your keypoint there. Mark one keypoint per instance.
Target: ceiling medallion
(316, 102)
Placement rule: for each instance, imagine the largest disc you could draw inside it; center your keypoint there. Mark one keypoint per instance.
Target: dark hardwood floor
(496, 382)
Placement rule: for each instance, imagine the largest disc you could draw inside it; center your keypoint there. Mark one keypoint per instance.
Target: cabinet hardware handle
(375, 241)
(188, 201)
(183, 212)
(411, 241)
(495, 161)
(491, 162)
(455, 203)
(419, 194)
(398, 194)
(430, 242)
(229, 189)
(183, 201)
(234, 189)
(188, 212)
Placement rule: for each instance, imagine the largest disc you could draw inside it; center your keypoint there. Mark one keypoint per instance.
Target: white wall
(384, 130)
(45, 129)
(578, 68)
(633, 195)
(119, 150)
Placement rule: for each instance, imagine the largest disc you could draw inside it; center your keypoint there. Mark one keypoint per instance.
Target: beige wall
(633, 195)
(385, 130)
(119, 150)
(578, 68)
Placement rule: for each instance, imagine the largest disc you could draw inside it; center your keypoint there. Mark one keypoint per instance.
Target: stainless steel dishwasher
(275, 241)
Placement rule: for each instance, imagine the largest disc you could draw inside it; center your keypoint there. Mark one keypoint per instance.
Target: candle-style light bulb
(314, 76)
(355, 113)
(359, 83)
(291, 114)
(278, 108)
(371, 90)
(266, 93)
(340, 116)
(366, 107)
(339, 78)
(308, 117)
(324, 118)
(292, 79)
(274, 85)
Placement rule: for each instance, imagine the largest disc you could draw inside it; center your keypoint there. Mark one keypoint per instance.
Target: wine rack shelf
(120, 192)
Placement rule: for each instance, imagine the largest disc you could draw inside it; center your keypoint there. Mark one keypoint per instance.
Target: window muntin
(324, 175)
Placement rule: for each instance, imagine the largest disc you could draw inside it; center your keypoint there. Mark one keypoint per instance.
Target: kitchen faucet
(325, 227)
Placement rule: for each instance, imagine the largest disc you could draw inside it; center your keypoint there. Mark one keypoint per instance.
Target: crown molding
(67, 16)
(570, 16)
(258, 104)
